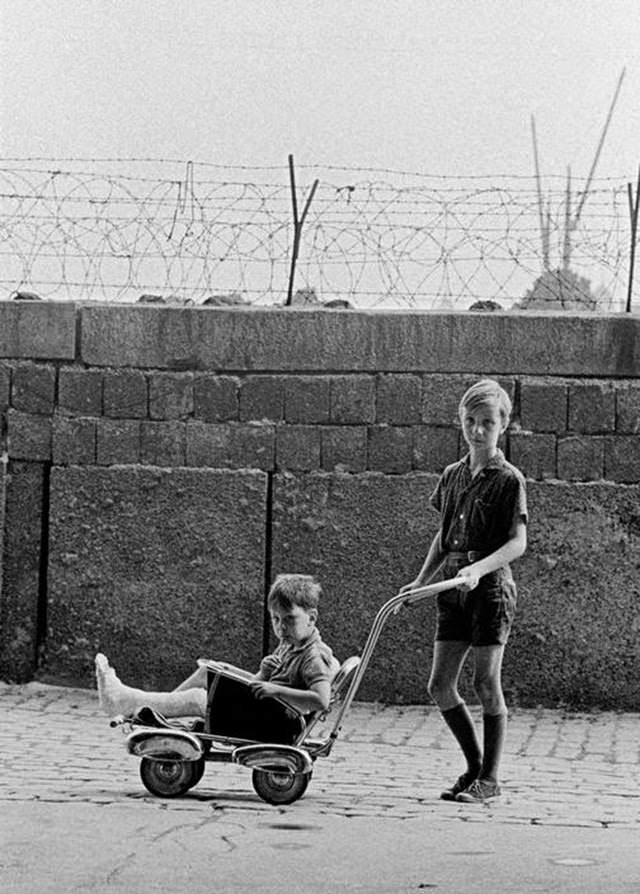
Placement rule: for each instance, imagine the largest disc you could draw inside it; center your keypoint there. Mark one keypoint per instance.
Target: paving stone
(367, 774)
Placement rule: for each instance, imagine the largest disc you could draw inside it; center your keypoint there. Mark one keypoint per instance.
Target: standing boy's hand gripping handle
(410, 597)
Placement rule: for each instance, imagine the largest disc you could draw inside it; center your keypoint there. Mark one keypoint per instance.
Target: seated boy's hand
(263, 689)
(414, 585)
(471, 578)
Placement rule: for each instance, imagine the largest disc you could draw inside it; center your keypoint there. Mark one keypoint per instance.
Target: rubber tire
(198, 771)
(170, 778)
(277, 787)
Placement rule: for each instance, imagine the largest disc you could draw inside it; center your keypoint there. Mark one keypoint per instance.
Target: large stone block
(3, 495)
(28, 436)
(543, 405)
(73, 441)
(592, 407)
(39, 330)
(363, 536)
(575, 640)
(398, 399)
(80, 391)
(307, 399)
(298, 447)
(34, 388)
(343, 448)
(155, 568)
(5, 385)
(534, 454)
(353, 399)
(216, 398)
(261, 398)
(254, 339)
(22, 613)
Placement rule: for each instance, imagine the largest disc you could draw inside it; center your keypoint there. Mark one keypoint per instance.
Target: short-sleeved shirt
(300, 667)
(477, 513)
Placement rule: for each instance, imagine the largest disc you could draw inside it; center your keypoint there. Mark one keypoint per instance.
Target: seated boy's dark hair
(294, 589)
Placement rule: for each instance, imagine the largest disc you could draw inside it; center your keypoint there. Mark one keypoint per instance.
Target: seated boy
(299, 671)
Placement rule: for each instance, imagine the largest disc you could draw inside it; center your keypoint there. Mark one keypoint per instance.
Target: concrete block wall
(353, 408)
(566, 429)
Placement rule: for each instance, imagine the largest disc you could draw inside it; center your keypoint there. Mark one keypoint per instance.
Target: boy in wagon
(299, 671)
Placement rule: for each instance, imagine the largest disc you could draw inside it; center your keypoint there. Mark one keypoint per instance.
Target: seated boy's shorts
(481, 617)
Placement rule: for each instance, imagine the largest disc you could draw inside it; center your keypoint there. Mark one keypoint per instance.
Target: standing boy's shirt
(300, 667)
(477, 513)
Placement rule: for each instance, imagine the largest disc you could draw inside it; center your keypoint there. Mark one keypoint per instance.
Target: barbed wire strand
(114, 229)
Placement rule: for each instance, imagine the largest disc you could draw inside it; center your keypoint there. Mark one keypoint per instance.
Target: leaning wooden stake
(633, 212)
(298, 223)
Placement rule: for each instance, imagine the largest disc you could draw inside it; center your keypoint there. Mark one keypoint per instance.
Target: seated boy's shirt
(300, 667)
(477, 513)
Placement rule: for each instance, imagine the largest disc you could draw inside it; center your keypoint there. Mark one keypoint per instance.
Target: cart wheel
(280, 786)
(198, 771)
(170, 778)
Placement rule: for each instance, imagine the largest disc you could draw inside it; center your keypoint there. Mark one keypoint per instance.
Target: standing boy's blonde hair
(486, 391)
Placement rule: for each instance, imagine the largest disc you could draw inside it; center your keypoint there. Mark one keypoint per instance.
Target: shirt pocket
(479, 515)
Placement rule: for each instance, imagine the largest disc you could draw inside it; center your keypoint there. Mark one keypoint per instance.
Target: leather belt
(470, 556)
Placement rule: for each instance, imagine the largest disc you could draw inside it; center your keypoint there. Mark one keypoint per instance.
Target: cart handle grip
(390, 607)
(410, 597)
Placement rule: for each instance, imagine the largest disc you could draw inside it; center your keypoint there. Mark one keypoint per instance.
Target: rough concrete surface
(75, 817)
(20, 570)
(363, 536)
(576, 636)
(154, 567)
(575, 639)
(299, 339)
(39, 330)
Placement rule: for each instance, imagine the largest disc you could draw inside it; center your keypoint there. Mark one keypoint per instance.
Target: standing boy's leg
(488, 686)
(448, 658)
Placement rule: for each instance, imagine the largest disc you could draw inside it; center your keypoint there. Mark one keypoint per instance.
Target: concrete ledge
(39, 330)
(251, 339)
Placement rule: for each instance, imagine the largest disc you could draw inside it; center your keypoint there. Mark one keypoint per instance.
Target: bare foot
(115, 697)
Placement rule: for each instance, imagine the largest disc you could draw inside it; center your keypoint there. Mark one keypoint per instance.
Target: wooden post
(633, 213)
(297, 225)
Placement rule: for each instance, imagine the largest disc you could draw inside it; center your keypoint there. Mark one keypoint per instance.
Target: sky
(433, 86)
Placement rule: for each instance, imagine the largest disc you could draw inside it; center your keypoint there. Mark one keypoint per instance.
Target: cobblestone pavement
(564, 770)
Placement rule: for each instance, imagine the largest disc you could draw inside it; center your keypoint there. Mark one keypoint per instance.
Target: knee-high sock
(461, 725)
(495, 730)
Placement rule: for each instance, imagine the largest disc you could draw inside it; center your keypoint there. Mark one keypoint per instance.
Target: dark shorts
(480, 617)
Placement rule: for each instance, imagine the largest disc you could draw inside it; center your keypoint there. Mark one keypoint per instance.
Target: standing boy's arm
(512, 549)
(434, 559)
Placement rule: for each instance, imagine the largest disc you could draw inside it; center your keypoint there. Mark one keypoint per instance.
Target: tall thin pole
(566, 250)
(583, 198)
(298, 223)
(633, 212)
(544, 235)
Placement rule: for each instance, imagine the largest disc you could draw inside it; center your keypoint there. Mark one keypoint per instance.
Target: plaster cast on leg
(117, 698)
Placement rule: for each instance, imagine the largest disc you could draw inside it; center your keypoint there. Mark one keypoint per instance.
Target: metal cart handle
(409, 597)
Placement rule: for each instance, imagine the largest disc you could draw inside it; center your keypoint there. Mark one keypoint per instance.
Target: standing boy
(482, 504)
